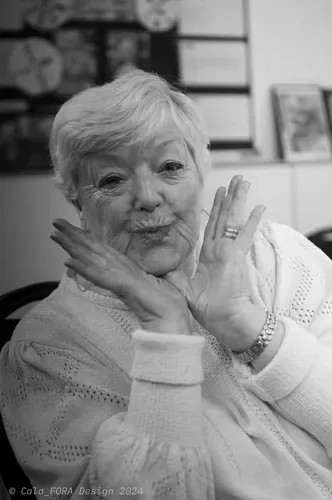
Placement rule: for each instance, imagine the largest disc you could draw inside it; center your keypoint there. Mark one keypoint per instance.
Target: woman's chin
(159, 261)
(158, 268)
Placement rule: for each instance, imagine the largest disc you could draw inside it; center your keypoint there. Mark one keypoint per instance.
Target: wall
(298, 196)
(27, 254)
(291, 41)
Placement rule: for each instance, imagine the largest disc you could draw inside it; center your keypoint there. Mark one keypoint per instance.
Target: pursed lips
(152, 229)
(148, 226)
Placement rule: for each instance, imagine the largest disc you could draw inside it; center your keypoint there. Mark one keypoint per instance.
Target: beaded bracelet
(262, 341)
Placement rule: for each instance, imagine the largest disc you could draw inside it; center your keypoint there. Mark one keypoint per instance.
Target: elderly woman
(166, 365)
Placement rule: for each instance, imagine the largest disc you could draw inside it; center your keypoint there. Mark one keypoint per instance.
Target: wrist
(246, 326)
(271, 350)
(177, 324)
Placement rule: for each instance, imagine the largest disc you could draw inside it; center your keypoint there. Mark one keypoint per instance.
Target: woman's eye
(172, 166)
(110, 181)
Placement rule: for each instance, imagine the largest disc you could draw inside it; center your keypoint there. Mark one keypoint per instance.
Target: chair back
(323, 240)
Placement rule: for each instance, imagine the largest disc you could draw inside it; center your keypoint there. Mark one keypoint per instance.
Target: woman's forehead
(151, 151)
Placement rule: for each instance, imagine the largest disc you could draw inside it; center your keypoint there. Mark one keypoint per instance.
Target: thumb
(181, 281)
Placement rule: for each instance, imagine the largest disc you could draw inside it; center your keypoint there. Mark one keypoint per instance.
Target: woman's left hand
(219, 295)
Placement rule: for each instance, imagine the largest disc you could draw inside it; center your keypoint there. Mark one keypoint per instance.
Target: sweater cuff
(289, 366)
(167, 358)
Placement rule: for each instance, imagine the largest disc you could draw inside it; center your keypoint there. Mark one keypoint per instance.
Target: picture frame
(328, 103)
(302, 122)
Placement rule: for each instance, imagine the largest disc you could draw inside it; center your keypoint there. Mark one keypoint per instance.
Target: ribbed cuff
(167, 358)
(289, 366)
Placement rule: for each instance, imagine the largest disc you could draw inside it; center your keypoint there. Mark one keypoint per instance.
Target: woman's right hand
(159, 306)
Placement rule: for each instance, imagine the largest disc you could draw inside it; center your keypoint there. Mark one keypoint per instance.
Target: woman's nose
(147, 195)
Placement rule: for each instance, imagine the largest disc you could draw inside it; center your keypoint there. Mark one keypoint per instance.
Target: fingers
(246, 237)
(90, 272)
(76, 249)
(78, 236)
(233, 209)
(214, 214)
(180, 280)
(77, 243)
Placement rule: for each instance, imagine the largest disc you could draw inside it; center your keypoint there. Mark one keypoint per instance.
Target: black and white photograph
(166, 250)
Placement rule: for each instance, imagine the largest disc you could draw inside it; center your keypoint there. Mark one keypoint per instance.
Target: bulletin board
(214, 59)
(54, 49)
(51, 49)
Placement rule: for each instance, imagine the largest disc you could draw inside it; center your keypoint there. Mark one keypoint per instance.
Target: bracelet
(257, 347)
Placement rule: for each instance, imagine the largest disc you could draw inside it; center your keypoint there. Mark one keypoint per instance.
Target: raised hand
(159, 306)
(219, 294)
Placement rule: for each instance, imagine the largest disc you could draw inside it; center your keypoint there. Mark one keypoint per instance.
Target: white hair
(130, 111)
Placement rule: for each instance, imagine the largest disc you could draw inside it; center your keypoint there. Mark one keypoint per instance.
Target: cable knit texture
(94, 404)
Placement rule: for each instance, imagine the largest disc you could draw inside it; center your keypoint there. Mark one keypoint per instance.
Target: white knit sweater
(94, 404)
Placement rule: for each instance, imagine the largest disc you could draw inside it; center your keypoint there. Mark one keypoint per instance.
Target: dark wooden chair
(322, 238)
(10, 470)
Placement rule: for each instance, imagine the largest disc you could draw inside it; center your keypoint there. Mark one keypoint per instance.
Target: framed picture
(302, 122)
(24, 142)
(328, 101)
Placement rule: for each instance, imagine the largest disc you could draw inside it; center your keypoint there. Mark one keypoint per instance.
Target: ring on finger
(231, 233)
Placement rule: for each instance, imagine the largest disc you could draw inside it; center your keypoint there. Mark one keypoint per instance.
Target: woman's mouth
(153, 229)
(156, 233)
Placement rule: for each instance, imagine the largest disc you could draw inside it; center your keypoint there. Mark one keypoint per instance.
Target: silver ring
(231, 233)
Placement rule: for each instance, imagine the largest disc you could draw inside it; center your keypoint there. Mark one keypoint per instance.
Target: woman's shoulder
(284, 241)
(284, 245)
(282, 256)
(280, 236)
(80, 325)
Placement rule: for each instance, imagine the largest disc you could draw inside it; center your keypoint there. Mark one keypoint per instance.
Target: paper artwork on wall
(212, 17)
(78, 49)
(227, 117)
(125, 51)
(103, 10)
(157, 15)
(213, 63)
(35, 66)
(47, 15)
(23, 141)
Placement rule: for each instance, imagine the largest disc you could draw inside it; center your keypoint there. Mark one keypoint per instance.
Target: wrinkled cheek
(189, 217)
(106, 220)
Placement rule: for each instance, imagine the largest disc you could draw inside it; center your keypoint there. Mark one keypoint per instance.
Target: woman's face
(146, 205)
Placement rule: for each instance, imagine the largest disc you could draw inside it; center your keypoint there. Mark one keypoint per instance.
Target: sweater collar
(107, 299)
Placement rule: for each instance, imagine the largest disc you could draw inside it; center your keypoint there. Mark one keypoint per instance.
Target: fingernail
(57, 222)
(56, 235)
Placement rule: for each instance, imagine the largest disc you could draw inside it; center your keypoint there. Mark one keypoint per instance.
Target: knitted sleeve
(297, 278)
(76, 437)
